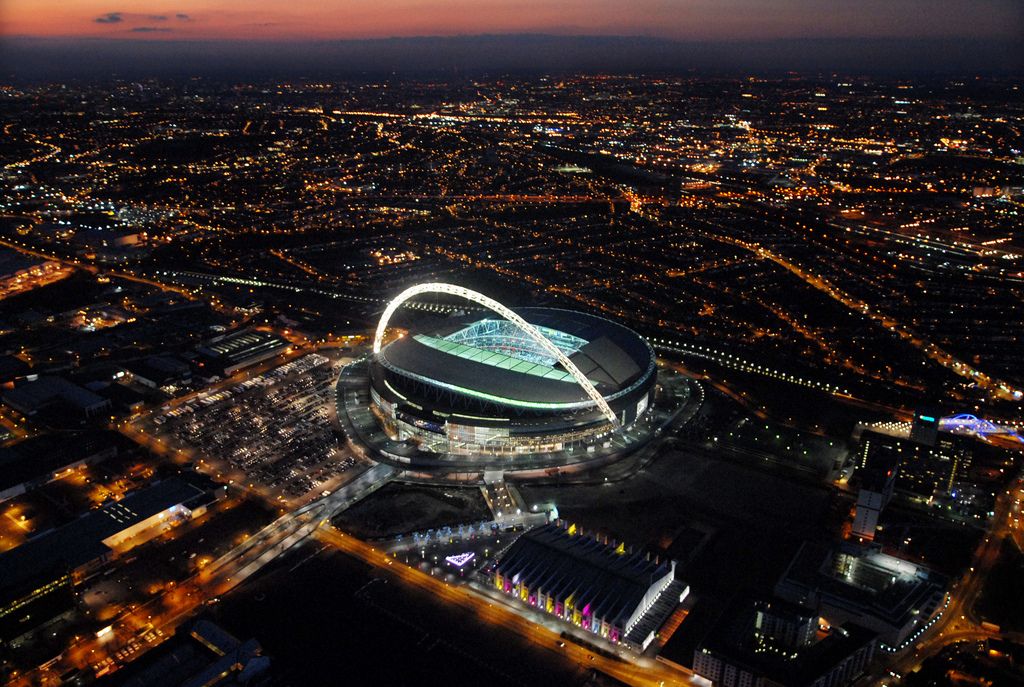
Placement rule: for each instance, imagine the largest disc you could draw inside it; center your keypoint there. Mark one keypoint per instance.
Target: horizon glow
(685, 20)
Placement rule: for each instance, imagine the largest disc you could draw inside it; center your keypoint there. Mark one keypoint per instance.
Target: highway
(179, 602)
(639, 671)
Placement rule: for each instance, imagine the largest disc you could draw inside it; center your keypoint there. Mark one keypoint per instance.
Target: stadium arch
(508, 314)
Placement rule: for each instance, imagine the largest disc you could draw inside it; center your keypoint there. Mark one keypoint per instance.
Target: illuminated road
(995, 387)
(640, 671)
(179, 602)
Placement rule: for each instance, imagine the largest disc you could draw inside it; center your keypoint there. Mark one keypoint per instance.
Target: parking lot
(274, 429)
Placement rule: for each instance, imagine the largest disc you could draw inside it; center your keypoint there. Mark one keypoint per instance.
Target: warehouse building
(227, 354)
(36, 578)
(44, 393)
(621, 595)
(34, 461)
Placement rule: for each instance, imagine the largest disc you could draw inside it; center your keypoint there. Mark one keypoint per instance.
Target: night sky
(888, 35)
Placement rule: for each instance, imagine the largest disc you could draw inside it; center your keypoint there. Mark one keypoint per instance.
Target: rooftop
(34, 457)
(734, 636)
(12, 262)
(33, 396)
(242, 345)
(205, 656)
(81, 541)
(862, 579)
(492, 364)
(602, 580)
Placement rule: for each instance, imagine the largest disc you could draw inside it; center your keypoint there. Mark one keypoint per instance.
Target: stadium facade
(508, 383)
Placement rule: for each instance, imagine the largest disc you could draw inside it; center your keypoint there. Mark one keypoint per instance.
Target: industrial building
(228, 353)
(37, 460)
(159, 371)
(37, 577)
(44, 393)
(202, 655)
(20, 272)
(616, 593)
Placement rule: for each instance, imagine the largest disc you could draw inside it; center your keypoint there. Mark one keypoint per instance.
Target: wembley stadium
(504, 382)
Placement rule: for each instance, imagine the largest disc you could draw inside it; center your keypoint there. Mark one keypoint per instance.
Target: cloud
(140, 23)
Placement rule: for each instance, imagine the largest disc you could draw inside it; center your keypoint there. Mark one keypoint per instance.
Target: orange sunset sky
(288, 20)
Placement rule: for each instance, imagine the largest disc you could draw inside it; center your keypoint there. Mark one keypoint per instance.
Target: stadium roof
(500, 360)
(433, 366)
(612, 359)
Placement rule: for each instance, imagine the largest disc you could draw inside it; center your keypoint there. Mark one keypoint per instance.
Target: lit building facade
(37, 578)
(604, 589)
(921, 468)
(777, 644)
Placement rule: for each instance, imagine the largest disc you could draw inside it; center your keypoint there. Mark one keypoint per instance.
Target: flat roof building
(54, 561)
(204, 656)
(34, 396)
(925, 429)
(37, 460)
(14, 264)
(923, 469)
(851, 583)
(603, 588)
(877, 483)
(229, 353)
(759, 643)
(158, 371)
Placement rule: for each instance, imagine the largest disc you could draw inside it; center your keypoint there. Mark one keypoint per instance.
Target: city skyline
(582, 344)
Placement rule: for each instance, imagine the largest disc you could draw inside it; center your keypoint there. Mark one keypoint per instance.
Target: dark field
(402, 508)
(327, 619)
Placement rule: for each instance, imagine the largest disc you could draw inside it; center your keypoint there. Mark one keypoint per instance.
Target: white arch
(491, 304)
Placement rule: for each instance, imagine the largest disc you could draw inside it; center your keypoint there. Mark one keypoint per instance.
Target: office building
(776, 644)
(848, 583)
(921, 469)
(925, 428)
(877, 483)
